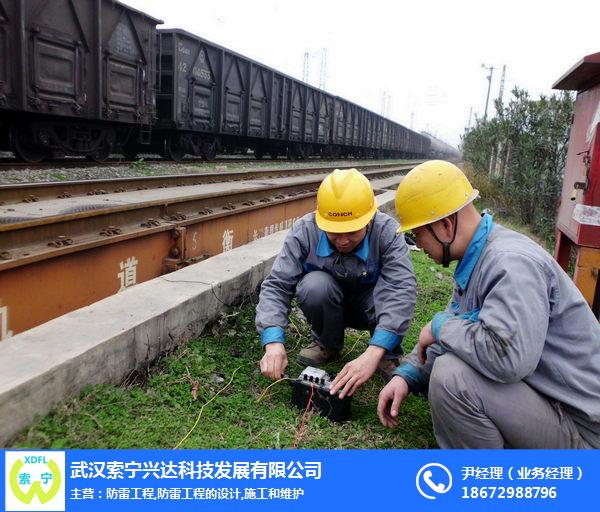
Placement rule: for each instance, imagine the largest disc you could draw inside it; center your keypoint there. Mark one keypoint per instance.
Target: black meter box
(318, 383)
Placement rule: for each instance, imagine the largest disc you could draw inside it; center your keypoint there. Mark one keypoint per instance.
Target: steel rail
(9, 164)
(62, 261)
(35, 192)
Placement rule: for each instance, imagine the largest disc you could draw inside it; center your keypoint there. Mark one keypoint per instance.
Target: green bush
(521, 152)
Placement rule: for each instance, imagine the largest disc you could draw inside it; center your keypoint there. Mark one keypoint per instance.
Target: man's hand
(274, 361)
(425, 339)
(390, 400)
(357, 372)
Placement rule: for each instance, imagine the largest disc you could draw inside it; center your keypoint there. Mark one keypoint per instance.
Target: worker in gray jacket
(348, 267)
(514, 360)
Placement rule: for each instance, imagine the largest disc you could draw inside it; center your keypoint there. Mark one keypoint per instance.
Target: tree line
(519, 156)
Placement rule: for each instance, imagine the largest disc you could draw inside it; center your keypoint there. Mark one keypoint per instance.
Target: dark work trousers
(471, 411)
(330, 307)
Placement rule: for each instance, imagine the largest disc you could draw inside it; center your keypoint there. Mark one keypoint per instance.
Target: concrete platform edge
(106, 341)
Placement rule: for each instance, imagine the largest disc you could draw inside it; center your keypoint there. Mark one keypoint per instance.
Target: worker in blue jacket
(348, 267)
(514, 360)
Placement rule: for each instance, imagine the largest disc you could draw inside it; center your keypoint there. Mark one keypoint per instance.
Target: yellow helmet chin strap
(446, 245)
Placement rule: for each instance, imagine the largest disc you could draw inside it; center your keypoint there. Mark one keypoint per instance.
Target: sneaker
(316, 355)
(386, 368)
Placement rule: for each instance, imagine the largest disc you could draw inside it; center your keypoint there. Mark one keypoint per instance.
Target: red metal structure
(578, 226)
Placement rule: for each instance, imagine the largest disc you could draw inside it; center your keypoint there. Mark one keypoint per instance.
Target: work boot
(316, 355)
(386, 368)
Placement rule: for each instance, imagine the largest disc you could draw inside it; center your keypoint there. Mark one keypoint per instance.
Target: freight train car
(95, 76)
(76, 78)
(439, 149)
(211, 99)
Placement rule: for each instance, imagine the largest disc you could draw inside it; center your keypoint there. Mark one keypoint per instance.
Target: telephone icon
(439, 488)
(433, 479)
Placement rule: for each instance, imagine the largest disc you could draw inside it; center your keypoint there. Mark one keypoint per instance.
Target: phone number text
(501, 492)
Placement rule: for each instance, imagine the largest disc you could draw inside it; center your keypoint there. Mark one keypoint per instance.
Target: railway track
(57, 255)
(11, 164)
(35, 192)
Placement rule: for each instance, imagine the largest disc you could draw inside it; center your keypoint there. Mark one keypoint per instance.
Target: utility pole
(501, 93)
(489, 79)
(323, 70)
(305, 70)
(470, 116)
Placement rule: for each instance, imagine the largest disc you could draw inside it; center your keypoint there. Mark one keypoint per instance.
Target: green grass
(158, 409)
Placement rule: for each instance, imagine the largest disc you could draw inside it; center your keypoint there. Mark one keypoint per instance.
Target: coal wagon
(211, 100)
(76, 77)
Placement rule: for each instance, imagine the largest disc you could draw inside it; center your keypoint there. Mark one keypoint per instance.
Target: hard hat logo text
(339, 214)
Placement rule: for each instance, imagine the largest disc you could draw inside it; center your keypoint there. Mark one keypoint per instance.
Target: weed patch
(157, 408)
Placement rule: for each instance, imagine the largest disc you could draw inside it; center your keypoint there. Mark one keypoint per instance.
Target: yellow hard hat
(345, 202)
(431, 191)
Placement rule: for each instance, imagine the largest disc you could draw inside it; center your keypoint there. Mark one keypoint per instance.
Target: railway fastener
(177, 216)
(229, 206)
(31, 199)
(64, 195)
(5, 255)
(205, 211)
(97, 192)
(111, 231)
(61, 241)
(150, 222)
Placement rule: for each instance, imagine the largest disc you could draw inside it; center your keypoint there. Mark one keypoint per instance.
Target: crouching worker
(348, 267)
(514, 360)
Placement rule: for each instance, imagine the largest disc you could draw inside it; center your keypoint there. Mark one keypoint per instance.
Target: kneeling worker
(514, 360)
(348, 267)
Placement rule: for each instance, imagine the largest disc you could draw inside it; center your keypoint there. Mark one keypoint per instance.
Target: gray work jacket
(518, 316)
(381, 263)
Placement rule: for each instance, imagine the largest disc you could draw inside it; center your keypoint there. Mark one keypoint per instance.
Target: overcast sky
(426, 55)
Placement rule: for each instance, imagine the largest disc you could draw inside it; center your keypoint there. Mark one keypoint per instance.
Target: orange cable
(301, 429)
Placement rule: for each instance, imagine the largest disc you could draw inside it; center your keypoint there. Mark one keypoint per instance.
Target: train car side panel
(279, 105)
(259, 101)
(324, 121)
(297, 111)
(8, 55)
(311, 119)
(58, 39)
(235, 78)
